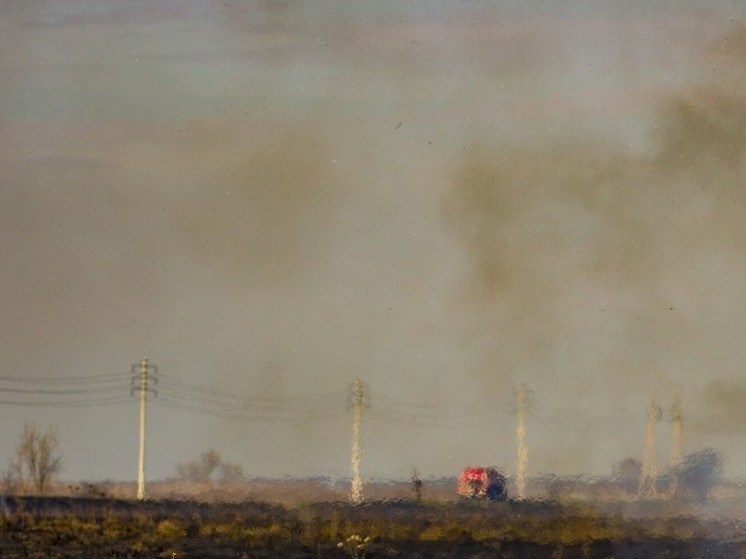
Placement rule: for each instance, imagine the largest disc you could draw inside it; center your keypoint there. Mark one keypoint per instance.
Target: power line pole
(649, 472)
(676, 442)
(358, 400)
(140, 383)
(522, 462)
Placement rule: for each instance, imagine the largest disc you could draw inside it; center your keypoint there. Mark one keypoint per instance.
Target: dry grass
(103, 528)
(309, 518)
(76, 527)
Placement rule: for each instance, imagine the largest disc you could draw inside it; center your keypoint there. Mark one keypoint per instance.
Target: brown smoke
(255, 203)
(543, 220)
(720, 408)
(247, 192)
(598, 268)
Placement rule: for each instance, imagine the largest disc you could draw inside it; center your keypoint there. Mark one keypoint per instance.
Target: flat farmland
(108, 527)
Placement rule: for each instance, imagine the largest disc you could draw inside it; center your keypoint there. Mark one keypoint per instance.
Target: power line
(245, 412)
(176, 393)
(217, 396)
(180, 394)
(393, 416)
(422, 413)
(79, 379)
(108, 389)
(61, 391)
(68, 403)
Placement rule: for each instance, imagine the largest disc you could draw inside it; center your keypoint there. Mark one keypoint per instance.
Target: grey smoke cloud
(594, 264)
(276, 198)
(720, 409)
(275, 193)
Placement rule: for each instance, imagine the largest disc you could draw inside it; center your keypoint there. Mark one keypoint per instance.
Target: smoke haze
(275, 198)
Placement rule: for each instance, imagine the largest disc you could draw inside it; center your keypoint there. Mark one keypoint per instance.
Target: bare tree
(626, 474)
(698, 473)
(37, 459)
(209, 466)
(200, 470)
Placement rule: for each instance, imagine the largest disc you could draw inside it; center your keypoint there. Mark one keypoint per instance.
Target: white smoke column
(649, 471)
(520, 470)
(676, 441)
(356, 487)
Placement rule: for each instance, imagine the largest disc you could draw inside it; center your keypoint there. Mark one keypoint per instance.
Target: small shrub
(431, 534)
(170, 530)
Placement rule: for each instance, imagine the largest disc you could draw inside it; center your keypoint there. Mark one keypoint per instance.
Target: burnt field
(106, 527)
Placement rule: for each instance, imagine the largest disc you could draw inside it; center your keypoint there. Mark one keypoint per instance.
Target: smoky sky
(443, 199)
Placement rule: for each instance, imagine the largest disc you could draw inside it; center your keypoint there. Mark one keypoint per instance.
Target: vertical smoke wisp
(649, 469)
(520, 475)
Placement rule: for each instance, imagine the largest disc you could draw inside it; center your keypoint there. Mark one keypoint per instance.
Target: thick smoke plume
(273, 198)
(611, 262)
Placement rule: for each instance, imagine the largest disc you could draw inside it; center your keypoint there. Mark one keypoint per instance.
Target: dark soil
(103, 528)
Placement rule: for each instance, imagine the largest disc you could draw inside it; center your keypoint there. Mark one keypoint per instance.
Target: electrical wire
(289, 414)
(210, 400)
(176, 393)
(62, 391)
(246, 409)
(69, 403)
(65, 391)
(421, 413)
(79, 379)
